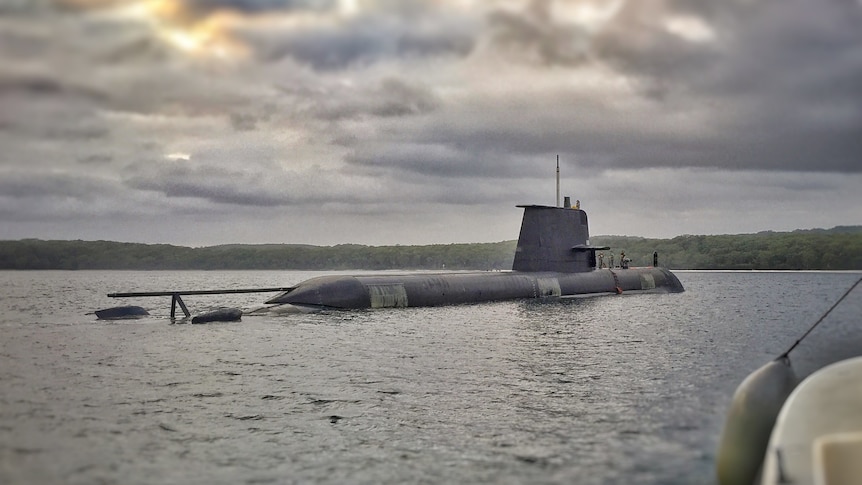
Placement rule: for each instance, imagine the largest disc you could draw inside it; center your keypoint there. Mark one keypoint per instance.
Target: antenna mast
(558, 180)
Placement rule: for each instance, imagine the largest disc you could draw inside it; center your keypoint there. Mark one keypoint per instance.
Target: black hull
(121, 313)
(436, 289)
(220, 315)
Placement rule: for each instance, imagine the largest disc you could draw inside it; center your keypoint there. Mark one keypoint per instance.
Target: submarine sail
(553, 259)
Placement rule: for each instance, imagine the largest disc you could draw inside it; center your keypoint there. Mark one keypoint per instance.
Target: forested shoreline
(839, 248)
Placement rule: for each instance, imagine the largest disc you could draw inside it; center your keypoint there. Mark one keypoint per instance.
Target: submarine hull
(436, 289)
(553, 259)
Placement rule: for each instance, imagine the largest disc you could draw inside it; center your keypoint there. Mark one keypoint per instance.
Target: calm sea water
(618, 389)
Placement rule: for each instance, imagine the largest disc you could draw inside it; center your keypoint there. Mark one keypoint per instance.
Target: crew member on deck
(624, 261)
(601, 260)
(578, 204)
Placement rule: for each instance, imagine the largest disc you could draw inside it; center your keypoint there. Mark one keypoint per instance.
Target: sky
(381, 122)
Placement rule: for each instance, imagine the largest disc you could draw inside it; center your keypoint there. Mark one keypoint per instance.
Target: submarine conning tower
(554, 239)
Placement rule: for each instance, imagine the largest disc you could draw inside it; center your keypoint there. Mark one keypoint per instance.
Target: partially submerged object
(176, 296)
(554, 259)
(219, 315)
(121, 313)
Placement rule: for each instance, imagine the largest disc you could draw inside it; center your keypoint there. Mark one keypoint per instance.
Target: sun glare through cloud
(591, 15)
(181, 28)
(690, 28)
(178, 156)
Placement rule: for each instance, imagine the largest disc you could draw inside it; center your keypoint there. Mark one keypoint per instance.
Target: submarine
(553, 259)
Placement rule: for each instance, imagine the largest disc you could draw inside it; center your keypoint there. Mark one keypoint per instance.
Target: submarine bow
(553, 259)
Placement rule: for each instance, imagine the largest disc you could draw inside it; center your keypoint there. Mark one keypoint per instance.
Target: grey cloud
(216, 177)
(355, 189)
(243, 122)
(790, 46)
(427, 44)
(330, 50)
(795, 75)
(664, 61)
(364, 40)
(41, 84)
(207, 7)
(96, 159)
(778, 89)
(18, 184)
(221, 193)
(32, 7)
(434, 160)
(600, 138)
(438, 161)
(63, 200)
(781, 81)
(398, 98)
(392, 97)
(534, 35)
(212, 183)
(132, 50)
(48, 129)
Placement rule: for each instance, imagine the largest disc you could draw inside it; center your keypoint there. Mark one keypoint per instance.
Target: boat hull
(817, 437)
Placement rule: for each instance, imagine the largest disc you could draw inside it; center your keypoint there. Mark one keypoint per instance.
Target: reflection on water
(616, 389)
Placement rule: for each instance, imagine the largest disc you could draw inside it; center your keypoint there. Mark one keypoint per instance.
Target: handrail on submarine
(176, 299)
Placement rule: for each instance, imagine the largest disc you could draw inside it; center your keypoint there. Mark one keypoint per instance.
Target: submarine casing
(553, 259)
(436, 289)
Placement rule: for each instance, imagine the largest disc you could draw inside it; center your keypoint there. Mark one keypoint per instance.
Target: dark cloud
(362, 41)
(204, 181)
(430, 44)
(258, 6)
(43, 84)
(18, 184)
(398, 98)
(334, 49)
(96, 159)
(56, 197)
(226, 192)
(662, 60)
(215, 176)
(534, 36)
(391, 97)
(780, 80)
(243, 122)
(429, 160)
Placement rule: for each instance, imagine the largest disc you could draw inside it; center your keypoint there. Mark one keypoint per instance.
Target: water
(617, 389)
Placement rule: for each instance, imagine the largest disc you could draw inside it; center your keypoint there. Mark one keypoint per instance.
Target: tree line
(839, 248)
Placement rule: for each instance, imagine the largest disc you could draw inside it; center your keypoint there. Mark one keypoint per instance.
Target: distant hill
(839, 248)
(834, 230)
